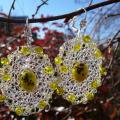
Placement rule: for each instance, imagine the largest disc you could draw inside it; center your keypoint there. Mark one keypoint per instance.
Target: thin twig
(38, 7)
(53, 18)
(113, 15)
(111, 60)
(90, 3)
(12, 7)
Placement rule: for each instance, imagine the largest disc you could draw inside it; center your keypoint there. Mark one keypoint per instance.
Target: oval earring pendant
(25, 80)
(79, 64)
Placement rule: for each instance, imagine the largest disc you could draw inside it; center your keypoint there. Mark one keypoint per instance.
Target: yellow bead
(80, 72)
(90, 96)
(25, 50)
(86, 38)
(60, 91)
(95, 84)
(98, 53)
(77, 47)
(71, 98)
(28, 80)
(53, 86)
(38, 50)
(6, 77)
(58, 60)
(63, 69)
(2, 98)
(49, 70)
(103, 70)
(42, 104)
(19, 110)
(4, 61)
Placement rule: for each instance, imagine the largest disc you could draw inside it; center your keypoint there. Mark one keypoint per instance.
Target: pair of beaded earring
(28, 78)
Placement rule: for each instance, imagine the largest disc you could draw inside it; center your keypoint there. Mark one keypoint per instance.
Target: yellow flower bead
(6, 77)
(77, 47)
(19, 110)
(98, 53)
(90, 96)
(103, 70)
(42, 104)
(60, 91)
(63, 69)
(25, 50)
(53, 86)
(28, 80)
(4, 61)
(58, 60)
(86, 38)
(2, 98)
(38, 50)
(71, 98)
(95, 84)
(49, 70)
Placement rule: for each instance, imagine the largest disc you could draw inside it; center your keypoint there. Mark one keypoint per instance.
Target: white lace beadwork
(83, 53)
(15, 95)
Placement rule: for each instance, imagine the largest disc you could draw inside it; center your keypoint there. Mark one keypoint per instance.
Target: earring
(79, 65)
(25, 78)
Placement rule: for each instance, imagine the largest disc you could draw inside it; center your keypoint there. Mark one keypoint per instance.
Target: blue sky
(54, 7)
(28, 7)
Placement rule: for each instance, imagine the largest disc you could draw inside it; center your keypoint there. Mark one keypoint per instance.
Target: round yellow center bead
(98, 53)
(48, 70)
(42, 104)
(19, 110)
(58, 60)
(63, 69)
(4, 61)
(25, 50)
(86, 38)
(71, 98)
(80, 72)
(77, 47)
(6, 77)
(38, 50)
(28, 80)
(2, 98)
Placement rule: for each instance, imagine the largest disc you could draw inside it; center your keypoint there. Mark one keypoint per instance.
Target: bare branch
(67, 16)
(44, 2)
(12, 7)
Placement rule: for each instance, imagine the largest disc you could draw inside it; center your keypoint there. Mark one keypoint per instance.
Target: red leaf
(35, 29)
(38, 42)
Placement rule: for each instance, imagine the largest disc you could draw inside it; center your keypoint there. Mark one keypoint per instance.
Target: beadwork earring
(25, 78)
(79, 64)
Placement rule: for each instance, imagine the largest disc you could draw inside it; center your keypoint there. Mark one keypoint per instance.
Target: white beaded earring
(25, 78)
(79, 65)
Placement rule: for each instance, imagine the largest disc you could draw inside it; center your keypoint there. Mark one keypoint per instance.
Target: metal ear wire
(75, 29)
(83, 23)
(28, 33)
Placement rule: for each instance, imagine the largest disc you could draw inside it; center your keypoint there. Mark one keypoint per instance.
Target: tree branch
(67, 16)
(38, 7)
(12, 7)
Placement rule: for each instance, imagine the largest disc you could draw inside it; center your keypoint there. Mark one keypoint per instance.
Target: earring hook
(28, 33)
(83, 23)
